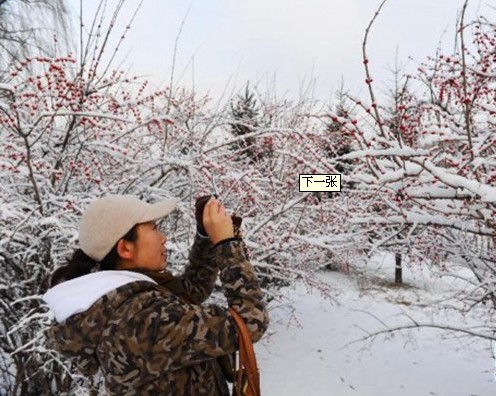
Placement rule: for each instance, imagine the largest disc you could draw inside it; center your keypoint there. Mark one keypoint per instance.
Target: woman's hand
(217, 223)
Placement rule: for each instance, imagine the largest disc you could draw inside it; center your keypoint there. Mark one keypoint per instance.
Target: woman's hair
(81, 264)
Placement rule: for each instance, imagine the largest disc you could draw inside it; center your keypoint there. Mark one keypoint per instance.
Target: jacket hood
(77, 295)
(82, 308)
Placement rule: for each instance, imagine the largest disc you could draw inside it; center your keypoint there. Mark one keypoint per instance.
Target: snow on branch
(486, 192)
(394, 152)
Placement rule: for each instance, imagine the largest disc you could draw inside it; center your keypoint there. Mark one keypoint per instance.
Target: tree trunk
(398, 276)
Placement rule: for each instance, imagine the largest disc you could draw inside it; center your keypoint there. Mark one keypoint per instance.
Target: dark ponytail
(81, 264)
(78, 265)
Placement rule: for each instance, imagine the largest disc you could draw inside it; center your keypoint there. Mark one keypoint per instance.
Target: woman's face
(149, 248)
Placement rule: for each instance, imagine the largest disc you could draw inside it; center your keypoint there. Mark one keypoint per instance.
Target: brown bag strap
(247, 359)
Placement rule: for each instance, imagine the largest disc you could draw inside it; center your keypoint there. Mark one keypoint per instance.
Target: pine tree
(339, 143)
(245, 115)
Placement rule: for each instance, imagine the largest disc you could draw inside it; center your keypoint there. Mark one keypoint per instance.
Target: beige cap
(108, 219)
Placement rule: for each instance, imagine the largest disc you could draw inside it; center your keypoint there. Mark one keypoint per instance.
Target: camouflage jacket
(148, 340)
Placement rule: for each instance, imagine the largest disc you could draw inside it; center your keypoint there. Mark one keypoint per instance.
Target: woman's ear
(125, 249)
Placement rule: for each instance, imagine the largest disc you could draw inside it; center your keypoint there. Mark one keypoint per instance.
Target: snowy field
(310, 350)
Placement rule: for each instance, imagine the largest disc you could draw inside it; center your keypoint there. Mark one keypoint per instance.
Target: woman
(113, 312)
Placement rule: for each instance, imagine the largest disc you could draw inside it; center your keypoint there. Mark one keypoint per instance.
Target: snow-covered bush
(69, 135)
(73, 128)
(429, 159)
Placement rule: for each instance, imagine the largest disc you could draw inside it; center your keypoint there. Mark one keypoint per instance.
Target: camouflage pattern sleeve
(241, 286)
(171, 334)
(200, 274)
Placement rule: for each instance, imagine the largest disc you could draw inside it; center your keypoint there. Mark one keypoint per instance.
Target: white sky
(293, 40)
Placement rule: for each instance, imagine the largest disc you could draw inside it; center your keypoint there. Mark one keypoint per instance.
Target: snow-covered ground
(310, 350)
